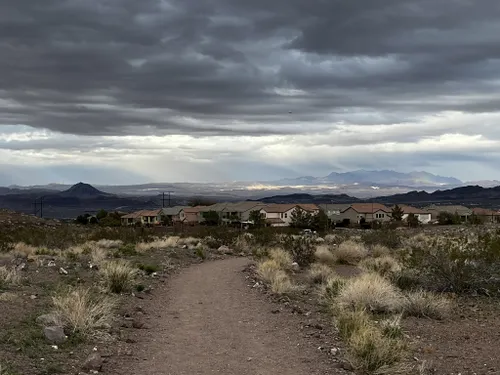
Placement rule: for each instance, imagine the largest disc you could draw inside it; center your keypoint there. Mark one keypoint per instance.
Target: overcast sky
(124, 91)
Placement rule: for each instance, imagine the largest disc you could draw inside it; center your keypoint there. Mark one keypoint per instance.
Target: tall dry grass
(118, 275)
(319, 273)
(84, 311)
(270, 271)
(23, 250)
(384, 265)
(371, 292)
(109, 244)
(281, 257)
(9, 276)
(425, 304)
(324, 255)
(350, 252)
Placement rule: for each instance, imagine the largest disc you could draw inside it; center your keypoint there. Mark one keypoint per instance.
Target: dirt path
(210, 322)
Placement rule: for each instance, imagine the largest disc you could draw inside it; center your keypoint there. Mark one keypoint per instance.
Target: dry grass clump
(331, 288)
(109, 244)
(427, 305)
(23, 250)
(380, 251)
(282, 258)
(9, 276)
(331, 238)
(369, 350)
(324, 255)
(270, 271)
(83, 311)
(7, 297)
(98, 255)
(167, 242)
(373, 353)
(118, 275)
(384, 265)
(319, 273)
(350, 252)
(371, 292)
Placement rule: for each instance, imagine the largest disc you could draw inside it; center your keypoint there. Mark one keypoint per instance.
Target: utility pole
(36, 209)
(163, 198)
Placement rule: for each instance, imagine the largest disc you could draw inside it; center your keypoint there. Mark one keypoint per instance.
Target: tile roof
(484, 212)
(243, 206)
(279, 208)
(365, 208)
(142, 213)
(308, 206)
(450, 208)
(412, 210)
(170, 211)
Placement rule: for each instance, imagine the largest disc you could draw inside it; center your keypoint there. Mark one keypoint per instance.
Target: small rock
(33, 296)
(55, 347)
(62, 271)
(295, 266)
(137, 323)
(334, 351)
(347, 366)
(51, 264)
(93, 362)
(225, 250)
(275, 311)
(21, 267)
(49, 320)
(54, 334)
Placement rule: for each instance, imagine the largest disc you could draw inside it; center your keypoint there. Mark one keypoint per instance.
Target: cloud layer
(283, 88)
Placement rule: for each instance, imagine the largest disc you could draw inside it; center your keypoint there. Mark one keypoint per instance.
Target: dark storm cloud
(112, 67)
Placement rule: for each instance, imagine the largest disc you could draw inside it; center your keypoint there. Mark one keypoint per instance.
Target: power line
(163, 199)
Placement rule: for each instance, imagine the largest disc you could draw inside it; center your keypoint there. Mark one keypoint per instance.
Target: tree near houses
(300, 219)
(397, 213)
(211, 218)
(320, 221)
(257, 218)
(412, 220)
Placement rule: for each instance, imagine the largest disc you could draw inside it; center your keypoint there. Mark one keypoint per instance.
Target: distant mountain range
(467, 195)
(376, 178)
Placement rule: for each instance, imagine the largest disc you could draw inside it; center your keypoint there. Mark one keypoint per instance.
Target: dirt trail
(210, 322)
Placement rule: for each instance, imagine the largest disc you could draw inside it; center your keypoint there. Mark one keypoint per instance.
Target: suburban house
(462, 211)
(173, 213)
(424, 217)
(240, 212)
(334, 211)
(144, 217)
(190, 215)
(486, 215)
(280, 215)
(367, 211)
(217, 207)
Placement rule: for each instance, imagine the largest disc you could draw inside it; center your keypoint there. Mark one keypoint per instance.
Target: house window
(286, 215)
(282, 215)
(379, 216)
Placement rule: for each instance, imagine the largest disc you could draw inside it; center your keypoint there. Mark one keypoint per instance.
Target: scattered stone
(320, 240)
(49, 320)
(54, 334)
(137, 323)
(51, 264)
(93, 362)
(295, 266)
(21, 267)
(62, 271)
(225, 250)
(334, 351)
(55, 347)
(33, 296)
(275, 311)
(347, 366)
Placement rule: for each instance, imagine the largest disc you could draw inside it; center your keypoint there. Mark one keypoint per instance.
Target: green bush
(301, 248)
(386, 237)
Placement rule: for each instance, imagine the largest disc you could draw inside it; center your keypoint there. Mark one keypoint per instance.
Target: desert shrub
(427, 305)
(98, 255)
(331, 289)
(23, 250)
(461, 262)
(350, 252)
(125, 250)
(301, 248)
(282, 258)
(118, 275)
(200, 252)
(378, 251)
(211, 242)
(371, 292)
(391, 327)
(259, 252)
(9, 276)
(324, 255)
(148, 268)
(109, 244)
(319, 273)
(385, 265)
(373, 353)
(386, 237)
(84, 311)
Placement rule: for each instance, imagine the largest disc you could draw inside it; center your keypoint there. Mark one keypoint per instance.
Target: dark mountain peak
(83, 190)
